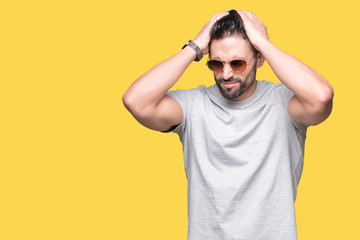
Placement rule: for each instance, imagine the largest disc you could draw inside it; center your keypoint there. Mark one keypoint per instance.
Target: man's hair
(228, 26)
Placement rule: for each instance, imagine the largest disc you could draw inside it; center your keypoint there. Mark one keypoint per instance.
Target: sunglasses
(236, 65)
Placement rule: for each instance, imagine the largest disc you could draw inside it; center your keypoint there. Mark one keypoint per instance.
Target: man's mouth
(229, 84)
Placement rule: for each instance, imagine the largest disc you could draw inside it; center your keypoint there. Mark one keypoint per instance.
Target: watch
(198, 51)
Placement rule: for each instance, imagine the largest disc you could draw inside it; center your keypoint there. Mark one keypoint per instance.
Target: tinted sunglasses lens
(215, 65)
(238, 65)
(218, 66)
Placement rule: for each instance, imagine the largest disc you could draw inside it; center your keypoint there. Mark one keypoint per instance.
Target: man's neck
(248, 93)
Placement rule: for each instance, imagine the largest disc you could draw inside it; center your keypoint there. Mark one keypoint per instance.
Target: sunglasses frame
(229, 62)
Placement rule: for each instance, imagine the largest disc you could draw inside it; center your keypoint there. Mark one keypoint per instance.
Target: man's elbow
(136, 108)
(326, 96)
(131, 105)
(127, 101)
(323, 110)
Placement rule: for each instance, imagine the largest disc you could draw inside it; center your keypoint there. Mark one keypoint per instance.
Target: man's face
(234, 85)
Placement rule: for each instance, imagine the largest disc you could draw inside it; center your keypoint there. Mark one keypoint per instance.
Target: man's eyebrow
(239, 58)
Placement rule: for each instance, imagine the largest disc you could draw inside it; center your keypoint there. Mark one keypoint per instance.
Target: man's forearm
(308, 85)
(150, 88)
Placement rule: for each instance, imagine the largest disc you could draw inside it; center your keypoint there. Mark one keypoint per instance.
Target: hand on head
(255, 29)
(203, 38)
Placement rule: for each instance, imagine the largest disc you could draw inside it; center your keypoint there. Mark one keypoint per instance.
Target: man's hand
(312, 102)
(254, 28)
(146, 98)
(203, 38)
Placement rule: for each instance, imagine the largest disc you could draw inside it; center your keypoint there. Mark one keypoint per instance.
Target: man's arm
(146, 98)
(312, 102)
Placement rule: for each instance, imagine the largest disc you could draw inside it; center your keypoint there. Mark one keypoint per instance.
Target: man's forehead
(230, 47)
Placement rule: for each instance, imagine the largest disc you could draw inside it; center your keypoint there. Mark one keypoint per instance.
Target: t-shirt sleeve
(286, 94)
(185, 98)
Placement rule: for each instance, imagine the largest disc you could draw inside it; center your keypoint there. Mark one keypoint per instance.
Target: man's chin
(230, 93)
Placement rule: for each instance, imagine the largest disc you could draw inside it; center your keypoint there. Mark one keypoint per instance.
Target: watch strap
(199, 54)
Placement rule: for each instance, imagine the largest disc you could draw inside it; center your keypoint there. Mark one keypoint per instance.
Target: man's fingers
(203, 38)
(215, 18)
(244, 14)
(254, 27)
(219, 15)
(249, 16)
(266, 30)
(240, 12)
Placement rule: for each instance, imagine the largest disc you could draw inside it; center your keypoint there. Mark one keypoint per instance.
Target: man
(243, 139)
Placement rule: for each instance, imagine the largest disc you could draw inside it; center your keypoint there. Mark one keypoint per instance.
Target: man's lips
(229, 84)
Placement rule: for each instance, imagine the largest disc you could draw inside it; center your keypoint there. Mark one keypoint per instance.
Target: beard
(237, 91)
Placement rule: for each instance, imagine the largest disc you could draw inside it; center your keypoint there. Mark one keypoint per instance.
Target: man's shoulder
(271, 87)
(200, 90)
(268, 83)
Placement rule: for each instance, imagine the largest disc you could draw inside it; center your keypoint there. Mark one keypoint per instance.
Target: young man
(243, 139)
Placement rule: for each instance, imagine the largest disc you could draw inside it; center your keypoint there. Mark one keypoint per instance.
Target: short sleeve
(286, 94)
(185, 98)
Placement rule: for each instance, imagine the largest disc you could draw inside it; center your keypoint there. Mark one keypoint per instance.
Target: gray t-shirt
(243, 161)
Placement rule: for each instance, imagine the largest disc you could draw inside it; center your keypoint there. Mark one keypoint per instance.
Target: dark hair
(227, 26)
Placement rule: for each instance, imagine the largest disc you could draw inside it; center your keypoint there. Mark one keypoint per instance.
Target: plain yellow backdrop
(76, 165)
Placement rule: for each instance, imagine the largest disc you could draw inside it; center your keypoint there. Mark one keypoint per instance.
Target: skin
(146, 98)
(313, 94)
(147, 101)
(231, 48)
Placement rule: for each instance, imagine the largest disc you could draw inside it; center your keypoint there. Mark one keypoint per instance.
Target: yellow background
(76, 165)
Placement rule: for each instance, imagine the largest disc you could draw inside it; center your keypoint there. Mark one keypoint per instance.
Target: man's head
(227, 26)
(228, 42)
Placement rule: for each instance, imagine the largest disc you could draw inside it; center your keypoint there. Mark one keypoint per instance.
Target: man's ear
(260, 60)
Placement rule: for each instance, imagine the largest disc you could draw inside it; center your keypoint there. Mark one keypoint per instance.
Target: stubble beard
(244, 85)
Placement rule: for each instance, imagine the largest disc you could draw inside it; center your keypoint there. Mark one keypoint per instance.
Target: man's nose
(227, 72)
